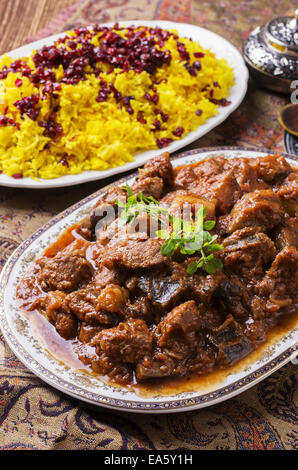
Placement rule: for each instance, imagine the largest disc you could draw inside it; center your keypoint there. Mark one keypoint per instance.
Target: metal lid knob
(282, 34)
(271, 52)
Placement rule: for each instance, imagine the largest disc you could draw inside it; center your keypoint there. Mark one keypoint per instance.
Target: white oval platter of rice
(91, 103)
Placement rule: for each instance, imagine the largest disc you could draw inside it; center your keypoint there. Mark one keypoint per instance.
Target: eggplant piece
(162, 291)
(229, 342)
(233, 298)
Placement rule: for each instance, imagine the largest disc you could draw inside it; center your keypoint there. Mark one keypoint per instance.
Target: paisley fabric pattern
(35, 416)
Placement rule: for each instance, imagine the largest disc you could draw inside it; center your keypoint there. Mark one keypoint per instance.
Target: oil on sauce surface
(66, 351)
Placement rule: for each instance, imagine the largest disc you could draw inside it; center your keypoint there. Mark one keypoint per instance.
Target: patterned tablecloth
(35, 416)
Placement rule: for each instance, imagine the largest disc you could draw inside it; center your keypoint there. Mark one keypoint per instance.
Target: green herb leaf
(192, 267)
(209, 224)
(129, 190)
(215, 247)
(186, 235)
(168, 248)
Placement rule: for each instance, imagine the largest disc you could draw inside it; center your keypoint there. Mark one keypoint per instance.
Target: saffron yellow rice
(95, 134)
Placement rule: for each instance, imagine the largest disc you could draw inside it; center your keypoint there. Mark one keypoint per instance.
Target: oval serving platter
(90, 388)
(209, 40)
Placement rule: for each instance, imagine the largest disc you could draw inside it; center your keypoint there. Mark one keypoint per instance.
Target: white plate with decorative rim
(78, 384)
(209, 40)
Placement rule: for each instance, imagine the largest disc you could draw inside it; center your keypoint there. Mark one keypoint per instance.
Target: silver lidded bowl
(271, 53)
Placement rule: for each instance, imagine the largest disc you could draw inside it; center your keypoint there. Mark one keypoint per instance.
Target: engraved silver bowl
(271, 53)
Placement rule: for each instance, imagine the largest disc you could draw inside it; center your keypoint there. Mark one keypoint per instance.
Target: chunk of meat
(128, 342)
(255, 331)
(144, 223)
(186, 205)
(210, 167)
(77, 247)
(84, 305)
(105, 276)
(29, 292)
(271, 167)
(188, 175)
(112, 298)
(174, 341)
(279, 285)
(140, 307)
(64, 272)
(288, 191)
(203, 287)
(289, 187)
(149, 186)
(103, 212)
(105, 234)
(102, 216)
(160, 167)
(287, 233)
(230, 342)
(176, 332)
(246, 175)
(184, 177)
(182, 202)
(174, 200)
(261, 208)
(86, 230)
(113, 194)
(99, 218)
(133, 251)
(211, 179)
(118, 372)
(87, 332)
(212, 318)
(59, 315)
(247, 251)
(222, 188)
(157, 366)
(106, 210)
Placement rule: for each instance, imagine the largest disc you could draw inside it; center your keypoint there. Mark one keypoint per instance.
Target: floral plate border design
(71, 388)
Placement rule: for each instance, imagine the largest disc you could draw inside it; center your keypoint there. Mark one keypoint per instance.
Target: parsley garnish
(190, 237)
(136, 204)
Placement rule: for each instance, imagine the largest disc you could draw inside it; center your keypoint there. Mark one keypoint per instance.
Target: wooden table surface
(21, 19)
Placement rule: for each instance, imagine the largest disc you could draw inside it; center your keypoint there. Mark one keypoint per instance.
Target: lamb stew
(136, 313)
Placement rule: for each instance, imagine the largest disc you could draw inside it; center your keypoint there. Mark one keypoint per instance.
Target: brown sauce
(216, 325)
(214, 379)
(66, 352)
